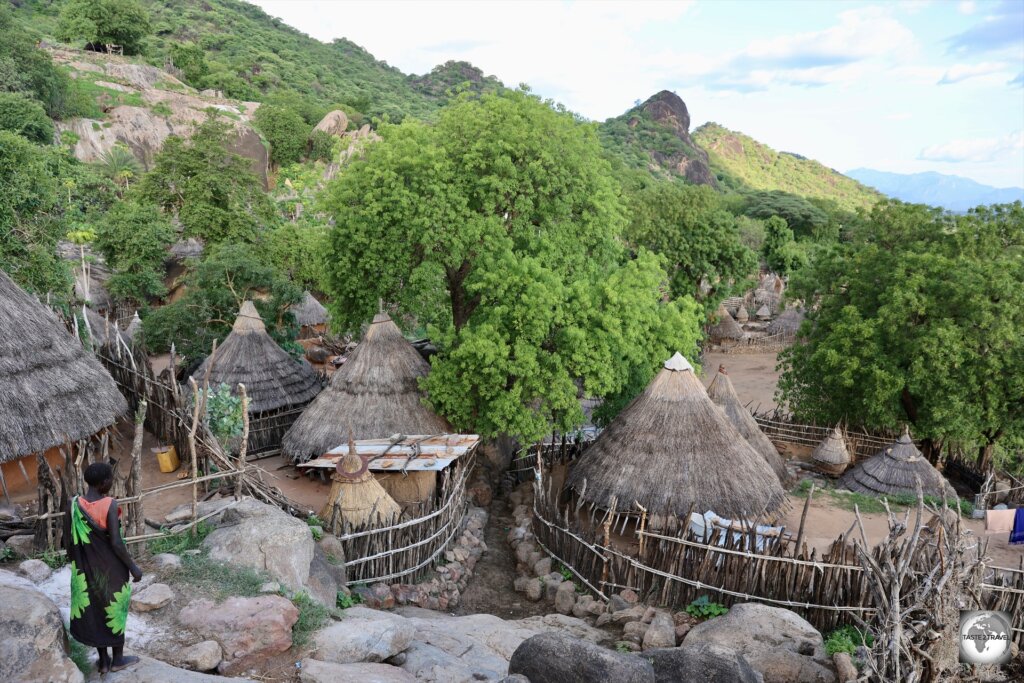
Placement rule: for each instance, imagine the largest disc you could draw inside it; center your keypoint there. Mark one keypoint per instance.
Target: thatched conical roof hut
(133, 329)
(310, 314)
(832, 455)
(764, 313)
(375, 393)
(789, 321)
(277, 385)
(51, 390)
(672, 448)
(725, 328)
(357, 499)
(741, 314)
(896, 470)
(723, 393)
(272, 379)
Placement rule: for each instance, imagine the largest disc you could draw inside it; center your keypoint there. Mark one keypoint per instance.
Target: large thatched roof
(309, 311)
(789, 321)
(723, 393)
(832, 455)
(896, 470)
(51, 390)
(726, 327)
(672, 447)
(375, 394)
(248, 356)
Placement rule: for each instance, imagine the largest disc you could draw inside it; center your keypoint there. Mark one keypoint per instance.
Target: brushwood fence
(412, 545)
(782, 428)
(772, 343)
(611, 550)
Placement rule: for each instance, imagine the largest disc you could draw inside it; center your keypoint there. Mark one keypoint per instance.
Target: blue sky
(905, 86)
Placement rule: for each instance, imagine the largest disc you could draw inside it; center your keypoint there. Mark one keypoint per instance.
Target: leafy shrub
(847, 639)
(26, 117)
(102, 22)
(320, 146)
(703, 608)
(346, 601)
(180, 542)
(316, 527)
(224, 413)
(285, 130)
(312, 616)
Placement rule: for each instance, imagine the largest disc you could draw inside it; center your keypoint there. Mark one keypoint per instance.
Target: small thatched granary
(52, 392)
(133, 329)
(741, 315)
(764, 313)
(278, 386)
(375, 393)
(723, 393)
(671, 448)
(357, 499)
(311, 316)
(788, 322)
(725, 328)
(896, 470)
(832, 455)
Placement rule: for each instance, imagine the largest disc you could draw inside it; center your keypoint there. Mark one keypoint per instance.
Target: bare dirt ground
(753, 374)
(826, 521)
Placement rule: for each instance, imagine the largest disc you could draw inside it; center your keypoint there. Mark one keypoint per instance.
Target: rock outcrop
(33, 643)
(333, 123)
(150, 670)
(557, 658)
(668, 109)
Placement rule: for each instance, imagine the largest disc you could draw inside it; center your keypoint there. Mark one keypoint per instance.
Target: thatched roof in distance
(832, 455)
(375, 394)
(134, 327)
(764, 313)
(725, 327)
(248, 356)
(723, 393)
(789, 321)
(51, 390)
(741, 314)
(671, 447)
(896, 470)
(309, 312)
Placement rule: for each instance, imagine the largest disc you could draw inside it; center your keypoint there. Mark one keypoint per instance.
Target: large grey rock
(699, 664)
(167, 561)
(265, 538)
(364, 635)
(36, 570)
(152, 597)
(321, 583)
(778, 643)
(333, 123)
(203, 656)
(154, 671)
(248, 629)
(23, 545)
(661, 633)
(33, 643)
(557, 658)
(314, 671)
(565, 597)
(560, 623)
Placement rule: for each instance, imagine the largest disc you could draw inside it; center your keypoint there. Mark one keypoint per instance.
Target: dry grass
(51, 390)
(722, 392)
(672, 448)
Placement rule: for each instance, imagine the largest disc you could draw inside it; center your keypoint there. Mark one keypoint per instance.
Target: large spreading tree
(917, 320)
(499, 228)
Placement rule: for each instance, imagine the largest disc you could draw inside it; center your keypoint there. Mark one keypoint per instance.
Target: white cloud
(899, 116)
(976, 150)
(967, 7)
(963, 72)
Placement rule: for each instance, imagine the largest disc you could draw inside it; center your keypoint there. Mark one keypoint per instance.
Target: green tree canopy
(215, 290)
(499, 228)
(24, 69)
(780, 251)
(286, 132)
(917, 321)
(105, 22)
(806, 220)
(134, 239)
(698, 237)
(26, 117)
(212, 190)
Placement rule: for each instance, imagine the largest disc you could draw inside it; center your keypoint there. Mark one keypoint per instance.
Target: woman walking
(100, 566)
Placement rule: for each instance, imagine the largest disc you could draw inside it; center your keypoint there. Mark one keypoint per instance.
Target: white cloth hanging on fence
(703, 526)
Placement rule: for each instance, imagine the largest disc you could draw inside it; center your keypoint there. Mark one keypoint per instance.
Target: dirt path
(491, 591)
(753, 374)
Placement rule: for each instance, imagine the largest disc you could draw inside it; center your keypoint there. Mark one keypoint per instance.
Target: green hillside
(740, 163)
(239, 49)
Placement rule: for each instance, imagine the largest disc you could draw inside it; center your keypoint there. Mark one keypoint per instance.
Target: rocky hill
(656, 135)
(740, 162)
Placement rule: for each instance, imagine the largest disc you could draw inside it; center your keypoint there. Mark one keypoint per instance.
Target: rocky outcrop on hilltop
(669, 111)
(141, 106)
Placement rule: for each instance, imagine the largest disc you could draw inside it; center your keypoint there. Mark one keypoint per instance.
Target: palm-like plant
(120, 165)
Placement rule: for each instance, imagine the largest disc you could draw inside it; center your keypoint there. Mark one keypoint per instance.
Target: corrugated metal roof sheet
(412, 453)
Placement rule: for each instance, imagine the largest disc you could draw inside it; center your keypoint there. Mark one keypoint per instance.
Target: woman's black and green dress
(100, 587)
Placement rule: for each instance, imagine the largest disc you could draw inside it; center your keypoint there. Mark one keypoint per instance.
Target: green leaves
(498, 229)
(117, 610)
(134, 239)
(102, 22)
(285, 130)
(79, 592)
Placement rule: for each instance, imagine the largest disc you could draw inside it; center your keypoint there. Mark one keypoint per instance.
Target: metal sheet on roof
(411, 453)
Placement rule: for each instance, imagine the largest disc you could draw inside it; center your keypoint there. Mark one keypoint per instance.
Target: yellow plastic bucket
(168, 459)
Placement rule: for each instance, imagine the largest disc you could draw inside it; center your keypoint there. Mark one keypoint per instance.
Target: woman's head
(100, 476)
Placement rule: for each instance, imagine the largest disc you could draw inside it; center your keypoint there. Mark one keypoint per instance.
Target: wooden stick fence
(410, 546)
(781, 428)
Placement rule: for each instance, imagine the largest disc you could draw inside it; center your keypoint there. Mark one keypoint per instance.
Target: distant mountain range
(936, 189)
